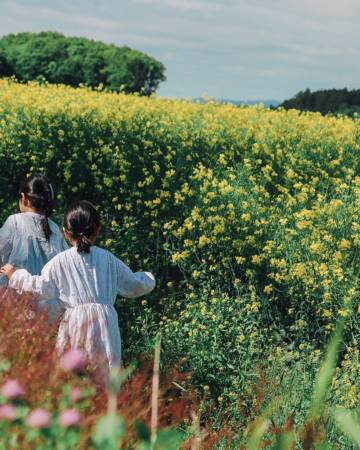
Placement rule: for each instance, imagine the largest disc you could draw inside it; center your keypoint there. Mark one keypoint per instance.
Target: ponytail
(39, 192)
(44, 222)
(84, 239)
(82, 222)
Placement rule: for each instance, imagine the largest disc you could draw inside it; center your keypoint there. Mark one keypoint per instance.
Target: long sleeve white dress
(23, 244)
(87, 285)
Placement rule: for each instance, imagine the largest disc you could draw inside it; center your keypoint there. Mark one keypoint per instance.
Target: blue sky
(238, 49)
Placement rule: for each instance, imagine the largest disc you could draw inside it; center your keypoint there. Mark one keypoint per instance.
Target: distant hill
(266, 102)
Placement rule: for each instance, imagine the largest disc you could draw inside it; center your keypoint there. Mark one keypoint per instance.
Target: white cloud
(185, 5)
(321, 10)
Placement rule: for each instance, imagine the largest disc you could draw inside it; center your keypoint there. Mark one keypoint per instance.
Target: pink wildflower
(38, 418)
(76, 394)
(8, 412)
(73, 360)
(69, 418)
(12, 389)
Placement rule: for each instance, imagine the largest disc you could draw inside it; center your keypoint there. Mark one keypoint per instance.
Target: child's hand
(8, 270)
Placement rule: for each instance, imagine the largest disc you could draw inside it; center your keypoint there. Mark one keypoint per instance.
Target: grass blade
(326, 373)
(348, 425)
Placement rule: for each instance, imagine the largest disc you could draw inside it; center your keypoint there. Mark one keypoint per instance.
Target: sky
(233, 49)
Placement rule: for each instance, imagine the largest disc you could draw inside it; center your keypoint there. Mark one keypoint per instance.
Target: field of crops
(249, 219)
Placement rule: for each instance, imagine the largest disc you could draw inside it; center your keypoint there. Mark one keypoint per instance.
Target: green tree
(75, 60)
(5, 69)
(326, 101)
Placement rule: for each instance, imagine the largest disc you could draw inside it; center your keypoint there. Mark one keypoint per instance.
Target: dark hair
(82, 221)
(38, 191)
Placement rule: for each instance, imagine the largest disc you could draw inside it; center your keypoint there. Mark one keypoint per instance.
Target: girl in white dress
(87, 280)
(29, 239)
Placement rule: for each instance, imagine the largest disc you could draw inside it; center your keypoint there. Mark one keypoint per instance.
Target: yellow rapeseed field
(248, 216)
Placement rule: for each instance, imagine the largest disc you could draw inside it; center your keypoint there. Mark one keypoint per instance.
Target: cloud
(320, 10)
(184, 5)
(229, 48)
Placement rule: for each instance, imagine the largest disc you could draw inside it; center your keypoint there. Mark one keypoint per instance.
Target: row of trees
(326, 101)
(74, 60)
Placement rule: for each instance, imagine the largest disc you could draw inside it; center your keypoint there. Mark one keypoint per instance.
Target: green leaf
(168, 440)
(261, 425)
(257, 434)
(117, 376)
(284, 442)
(109, 430)
(143, 446)
(4, 365)
(326, 373)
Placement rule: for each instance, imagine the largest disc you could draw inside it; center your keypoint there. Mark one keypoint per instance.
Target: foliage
(116, 415)
(249, 219)
(312, 431)
(73, 60)
(340, 101)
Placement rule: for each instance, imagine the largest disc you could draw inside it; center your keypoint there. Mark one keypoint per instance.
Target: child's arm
(22, 281)
(133, 284)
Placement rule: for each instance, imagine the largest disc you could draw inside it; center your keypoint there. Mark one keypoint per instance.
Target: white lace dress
(23, 244)
(87, 285)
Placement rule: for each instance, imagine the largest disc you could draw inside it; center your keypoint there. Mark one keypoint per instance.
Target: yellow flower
(240, 260)
(344, 244)
(268, 289)
(256, 259)
(344, 312)
(203, 241)
(179, 256)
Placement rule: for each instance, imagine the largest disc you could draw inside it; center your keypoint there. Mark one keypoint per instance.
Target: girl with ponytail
(87, 280)
(29, 239)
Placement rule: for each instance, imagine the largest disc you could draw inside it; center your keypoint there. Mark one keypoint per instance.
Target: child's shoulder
(102, 251)
(15, 222)
(65, 255)
(13, 219)
(72, 254)
(103, 254)
(25, 217)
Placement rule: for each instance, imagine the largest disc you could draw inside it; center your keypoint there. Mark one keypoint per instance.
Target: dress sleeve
(42, 286)
(6, 239)
(5, 251)
(133, 284)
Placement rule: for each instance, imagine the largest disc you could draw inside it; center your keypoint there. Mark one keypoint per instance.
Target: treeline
(73, 61)
(326, 101)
